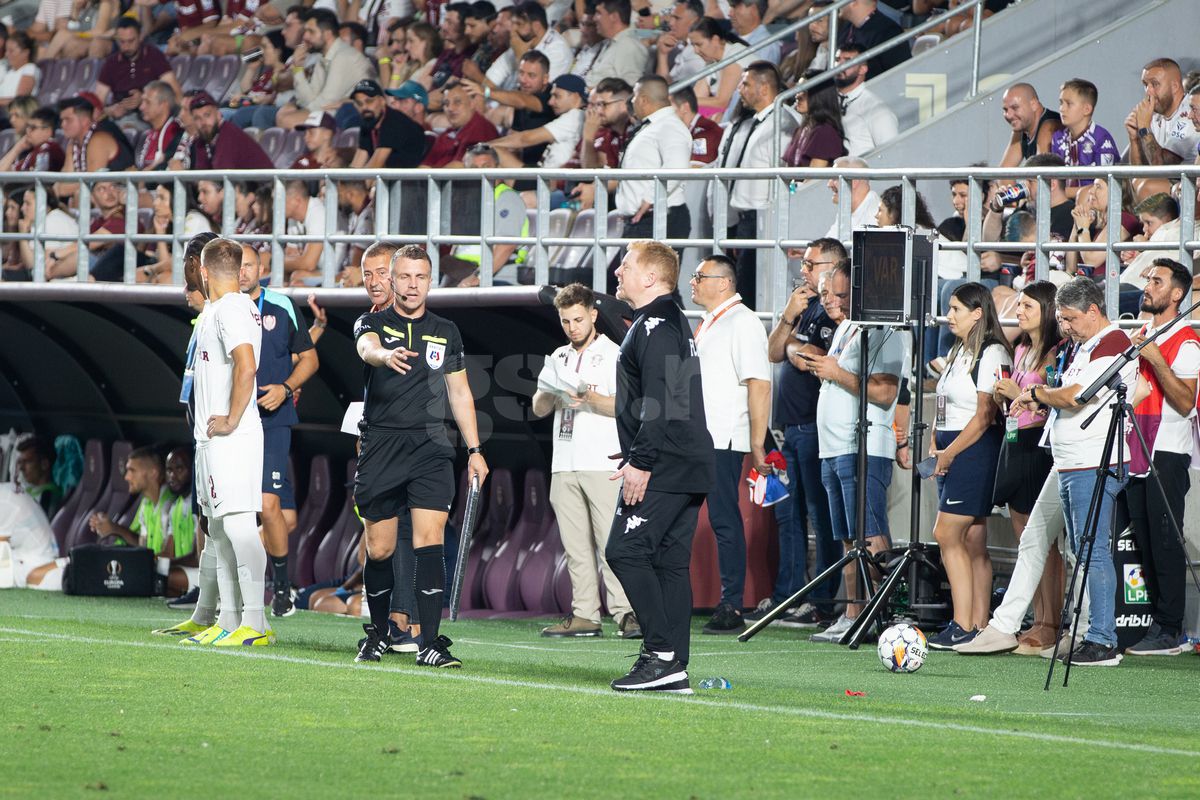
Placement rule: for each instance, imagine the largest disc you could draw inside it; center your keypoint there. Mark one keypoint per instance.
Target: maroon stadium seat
(80, 532)
(291, 149)
(328, 554)
(349, 562)
(501, 577)
(85, 495)
(562, 585)
(316, 516)
(271, 141)
(223, 77)
(346, 138)
(495, 520)
(181, 65)
(7, 139)
(120, 505)
(84, 79)
(202, 67)
(56, 75)
(537, 572)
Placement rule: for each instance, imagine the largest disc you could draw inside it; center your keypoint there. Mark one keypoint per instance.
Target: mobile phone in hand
(926, 467)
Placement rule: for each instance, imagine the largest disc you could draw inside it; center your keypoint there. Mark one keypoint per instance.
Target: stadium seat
(501, 576)
(346, 138)
(55, 76)
(562, 584)
(538, 590)
(614, 230)
(181, 65)
(84, 79)
(223, 77)
(291, 149)
(202, 67)
(574, 255)
(113, 499)
(318, 553)
(926, 41)
(81, 501)
(7, 139)
(271, 141)
(349, 553)
(495, 520)
(316, 516)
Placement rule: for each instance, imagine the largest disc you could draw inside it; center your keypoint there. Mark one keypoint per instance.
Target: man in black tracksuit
(666, 467)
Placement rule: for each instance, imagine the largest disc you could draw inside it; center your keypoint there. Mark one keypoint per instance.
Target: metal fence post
(487, 229)
(83, 260)
(278, 229)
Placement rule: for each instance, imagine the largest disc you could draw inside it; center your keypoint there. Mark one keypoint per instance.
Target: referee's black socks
(379, 582)
(430, 578)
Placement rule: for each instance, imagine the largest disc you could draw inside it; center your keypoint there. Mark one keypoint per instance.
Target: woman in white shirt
(966, 445)
(22, 77)
(713, 43)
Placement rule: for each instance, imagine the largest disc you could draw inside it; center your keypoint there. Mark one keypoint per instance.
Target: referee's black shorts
(398, 470)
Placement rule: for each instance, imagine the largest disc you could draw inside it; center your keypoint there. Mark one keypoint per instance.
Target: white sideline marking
(597, 692)
(598, 647)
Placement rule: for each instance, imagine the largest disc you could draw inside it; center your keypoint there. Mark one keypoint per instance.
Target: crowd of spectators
(563, 84)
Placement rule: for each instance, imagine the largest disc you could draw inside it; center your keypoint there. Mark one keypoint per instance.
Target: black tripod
(1120, 411)
(915, 555)
(863, 559)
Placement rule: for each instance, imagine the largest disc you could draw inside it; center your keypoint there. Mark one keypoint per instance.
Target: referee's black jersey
(660, 402)
(416, 400)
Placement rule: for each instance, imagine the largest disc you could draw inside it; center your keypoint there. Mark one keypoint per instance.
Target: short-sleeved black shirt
(396, 131)
(416, 400)
(796, 392)
(526, 120)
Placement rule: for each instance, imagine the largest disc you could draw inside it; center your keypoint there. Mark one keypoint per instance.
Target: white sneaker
(792, 618)
(834, 632)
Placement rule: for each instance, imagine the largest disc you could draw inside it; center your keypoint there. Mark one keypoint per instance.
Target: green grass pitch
(94, 706)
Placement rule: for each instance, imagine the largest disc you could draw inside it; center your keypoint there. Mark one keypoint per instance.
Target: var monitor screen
(879, 281)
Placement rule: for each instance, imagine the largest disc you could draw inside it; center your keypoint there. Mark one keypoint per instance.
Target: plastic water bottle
(715, 683)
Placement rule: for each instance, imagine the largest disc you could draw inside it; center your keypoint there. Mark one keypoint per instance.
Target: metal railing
(778, 232)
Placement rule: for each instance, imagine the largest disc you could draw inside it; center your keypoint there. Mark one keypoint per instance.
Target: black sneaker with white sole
(437, 654)
(650, 673)
(373, 646)
(726, 621)
(1094, 654)
(1157, 642)
(283, 604)
(398, 641)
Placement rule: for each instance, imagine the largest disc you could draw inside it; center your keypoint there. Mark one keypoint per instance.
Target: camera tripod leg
(878, 603)
(832, 571)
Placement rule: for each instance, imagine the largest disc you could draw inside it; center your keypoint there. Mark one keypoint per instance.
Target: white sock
(665, 655)
(242, 532)
(205, 612)
(230, 618)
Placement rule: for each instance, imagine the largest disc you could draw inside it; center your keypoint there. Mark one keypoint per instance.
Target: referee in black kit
(415, 367)
(666, 467)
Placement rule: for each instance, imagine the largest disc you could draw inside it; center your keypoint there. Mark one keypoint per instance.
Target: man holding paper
(578, 383)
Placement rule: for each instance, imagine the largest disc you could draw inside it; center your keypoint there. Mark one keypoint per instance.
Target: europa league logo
(114, 569)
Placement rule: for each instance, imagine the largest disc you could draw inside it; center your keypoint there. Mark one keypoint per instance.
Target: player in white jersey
(25, 533)
(229, 446)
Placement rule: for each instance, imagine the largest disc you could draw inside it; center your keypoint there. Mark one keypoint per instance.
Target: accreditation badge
(566, 425)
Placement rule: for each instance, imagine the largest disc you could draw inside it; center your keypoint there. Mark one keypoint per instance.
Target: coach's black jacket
(660, 401)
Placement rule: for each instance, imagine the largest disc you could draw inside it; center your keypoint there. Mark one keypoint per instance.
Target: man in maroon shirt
(458, 49)
(222, 145)
(606, 127)
(706, 134)
(467, 127)
(194, 18)
(125, 73)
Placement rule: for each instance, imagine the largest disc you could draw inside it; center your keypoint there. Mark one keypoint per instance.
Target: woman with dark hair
(891, 210)
(22, 77)
(253, 105)
(965, 446)
(820, 139)
(714, 42)
(1023, 466)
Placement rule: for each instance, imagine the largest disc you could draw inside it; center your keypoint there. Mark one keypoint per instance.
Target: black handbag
(98, 570)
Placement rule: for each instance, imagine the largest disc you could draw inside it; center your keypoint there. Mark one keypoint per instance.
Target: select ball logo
(1135, 585)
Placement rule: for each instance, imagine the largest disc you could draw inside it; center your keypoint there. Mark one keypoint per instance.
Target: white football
(902, 648)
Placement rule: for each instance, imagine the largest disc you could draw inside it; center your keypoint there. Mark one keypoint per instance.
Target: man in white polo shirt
(736, 373)
(579, 384)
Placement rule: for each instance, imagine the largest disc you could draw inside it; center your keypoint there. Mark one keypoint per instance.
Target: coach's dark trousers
(650, 552)
(1163, 558)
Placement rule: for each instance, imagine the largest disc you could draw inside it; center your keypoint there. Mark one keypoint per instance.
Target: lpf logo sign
(1135, 585)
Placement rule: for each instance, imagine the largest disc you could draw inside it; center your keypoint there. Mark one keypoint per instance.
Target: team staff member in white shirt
(732, 345)
(229, 445)
(585, 435)
(747, 143)
(966, 444)
(659, 141)
(1164, 403)
(837, 421)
